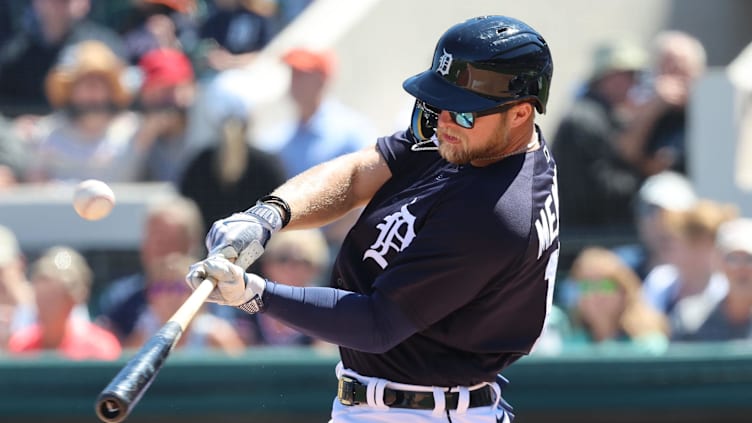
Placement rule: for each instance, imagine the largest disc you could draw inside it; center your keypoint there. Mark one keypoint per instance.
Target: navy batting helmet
(484, 62)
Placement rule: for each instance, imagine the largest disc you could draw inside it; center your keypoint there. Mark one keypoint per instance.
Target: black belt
(352, 392)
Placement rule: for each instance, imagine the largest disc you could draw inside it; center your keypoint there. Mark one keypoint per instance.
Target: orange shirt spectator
(81, 341)
(61, 279)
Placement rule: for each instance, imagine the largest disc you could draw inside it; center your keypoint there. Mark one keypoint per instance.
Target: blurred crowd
(134, 96)
(649, 263)
(130, 94)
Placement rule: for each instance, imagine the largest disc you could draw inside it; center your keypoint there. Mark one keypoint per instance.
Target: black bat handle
(125, 390)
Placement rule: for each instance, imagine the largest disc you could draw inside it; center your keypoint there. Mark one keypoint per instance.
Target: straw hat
(86, 58)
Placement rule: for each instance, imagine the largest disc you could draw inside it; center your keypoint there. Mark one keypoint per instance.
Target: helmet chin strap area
(431, 144)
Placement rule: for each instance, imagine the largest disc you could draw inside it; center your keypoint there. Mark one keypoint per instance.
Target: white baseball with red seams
(93, 199)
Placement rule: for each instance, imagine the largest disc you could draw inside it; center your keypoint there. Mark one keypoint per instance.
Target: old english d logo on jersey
(397, 232)
(445, 63)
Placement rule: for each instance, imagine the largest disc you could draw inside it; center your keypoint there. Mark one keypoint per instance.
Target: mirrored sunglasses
(463, 119)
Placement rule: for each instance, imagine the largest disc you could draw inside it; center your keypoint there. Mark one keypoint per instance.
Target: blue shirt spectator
(332, 131)
(325, 128)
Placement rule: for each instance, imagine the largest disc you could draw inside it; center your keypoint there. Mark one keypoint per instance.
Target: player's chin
(453, 153)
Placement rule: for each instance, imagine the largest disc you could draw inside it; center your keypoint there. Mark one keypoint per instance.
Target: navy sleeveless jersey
(468, 254)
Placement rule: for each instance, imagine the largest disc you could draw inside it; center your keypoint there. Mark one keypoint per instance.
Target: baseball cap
(668, 190)
(307, 60)
(9, 248)
(735, 235)
(165, 67)
(618, 56)
(182, 6)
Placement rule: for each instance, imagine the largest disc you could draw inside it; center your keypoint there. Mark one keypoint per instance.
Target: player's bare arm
(327, 191)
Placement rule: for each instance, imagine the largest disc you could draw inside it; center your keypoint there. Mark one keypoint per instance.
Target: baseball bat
(125, 390)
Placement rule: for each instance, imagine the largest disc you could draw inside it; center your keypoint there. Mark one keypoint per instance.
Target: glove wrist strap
(285, 211)
(254, 288)
(252, 306)
(267, 213)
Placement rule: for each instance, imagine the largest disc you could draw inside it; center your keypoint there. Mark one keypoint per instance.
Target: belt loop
(375, 393)
(439, 400)
(339, 369)
(463, 402)
(497, 390)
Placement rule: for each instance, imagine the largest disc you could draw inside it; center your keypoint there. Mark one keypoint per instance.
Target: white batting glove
(234, 287)
(243, 236)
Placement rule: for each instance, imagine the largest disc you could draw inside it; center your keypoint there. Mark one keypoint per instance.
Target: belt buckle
(346, 391)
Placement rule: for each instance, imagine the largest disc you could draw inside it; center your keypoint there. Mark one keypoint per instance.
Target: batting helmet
(484, 62)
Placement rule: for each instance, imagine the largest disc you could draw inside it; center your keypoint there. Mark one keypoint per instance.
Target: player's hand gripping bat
(125, 390)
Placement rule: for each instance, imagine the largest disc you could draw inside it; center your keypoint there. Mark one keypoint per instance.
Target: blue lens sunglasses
(463, 119)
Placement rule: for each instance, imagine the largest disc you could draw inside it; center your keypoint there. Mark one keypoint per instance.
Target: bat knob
(110, 410)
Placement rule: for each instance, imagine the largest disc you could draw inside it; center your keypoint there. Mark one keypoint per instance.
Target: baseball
(93, 199)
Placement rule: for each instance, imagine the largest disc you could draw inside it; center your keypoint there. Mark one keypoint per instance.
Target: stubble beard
(461, 154)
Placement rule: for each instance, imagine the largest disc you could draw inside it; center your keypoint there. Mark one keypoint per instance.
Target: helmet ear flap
(422, 130)
(423, 122)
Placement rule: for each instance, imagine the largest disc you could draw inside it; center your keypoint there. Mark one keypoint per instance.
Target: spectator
(90, 134)
(660, 193)
(172, 225)
(655, 139)
(609, 306)
(166, 291)
(691, 268)
(28, 56)
(17, 309)
(703, 318)
(154, 24)
(62, 280)
(234, 33)
(297, 258)
(596, 185)
(230, 170)
(167, 97)
(14, 158)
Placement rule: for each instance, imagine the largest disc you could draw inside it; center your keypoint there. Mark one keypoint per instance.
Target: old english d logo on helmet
(445, 63)
(485, 62)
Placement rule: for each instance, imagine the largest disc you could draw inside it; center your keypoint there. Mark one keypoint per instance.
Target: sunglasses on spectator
(167, 286)
(463, 119)
(292, 260)
(605, 286)
(738, 259)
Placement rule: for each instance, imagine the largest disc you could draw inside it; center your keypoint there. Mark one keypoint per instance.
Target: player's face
(488, 138)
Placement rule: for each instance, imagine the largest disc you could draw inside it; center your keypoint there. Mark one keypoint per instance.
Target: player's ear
(520, 113)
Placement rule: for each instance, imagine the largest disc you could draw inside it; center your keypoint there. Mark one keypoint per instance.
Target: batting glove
(234, 287)
(243, 236)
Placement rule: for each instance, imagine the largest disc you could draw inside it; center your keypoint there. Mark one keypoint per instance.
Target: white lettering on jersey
(547, 224)
(445, 63)
(397, 233)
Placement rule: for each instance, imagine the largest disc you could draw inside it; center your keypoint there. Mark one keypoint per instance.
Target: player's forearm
(365, 323)
(328, 191)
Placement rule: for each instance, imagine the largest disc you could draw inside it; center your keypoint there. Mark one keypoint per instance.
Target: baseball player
(447, 277)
